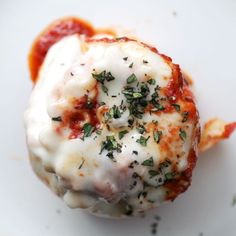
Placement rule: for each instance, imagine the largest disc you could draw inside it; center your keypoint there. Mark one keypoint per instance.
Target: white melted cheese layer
(100, 185)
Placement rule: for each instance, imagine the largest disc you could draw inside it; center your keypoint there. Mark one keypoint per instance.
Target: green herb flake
(148, 162)
(58, 119)
(99, 132)
(111, 156)
(125, 58)
(88, 129)
(101, 77)
(110, 144)
(169, 176)
(131, 65)
(141, 129)
(114, 112)
(153, 173)
(104, 89)
(81, 165)
(182, 134)
(137, 95)
(131, 165)
(176, 106)
(135, 152)
(157, 107)
(135, 175)
(152, 81)
(132, 78)
(109, 76)
(122, 134)
(142, 140)
(145, 61)
(157, 136)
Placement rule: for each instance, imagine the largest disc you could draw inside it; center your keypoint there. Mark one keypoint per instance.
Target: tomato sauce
(229, 128)
(75, 119)
(52, 34)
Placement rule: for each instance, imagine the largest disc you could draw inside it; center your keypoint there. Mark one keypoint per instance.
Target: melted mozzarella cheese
(88, 177)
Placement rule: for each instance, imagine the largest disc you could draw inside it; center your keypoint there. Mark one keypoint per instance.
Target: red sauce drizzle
(75, 119)
(229, 128)
(52, 34)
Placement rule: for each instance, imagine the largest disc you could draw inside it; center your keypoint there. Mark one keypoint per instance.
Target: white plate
(200, 36)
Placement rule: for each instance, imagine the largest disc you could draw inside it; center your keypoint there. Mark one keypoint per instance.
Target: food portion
(112, 126)
(214, 131)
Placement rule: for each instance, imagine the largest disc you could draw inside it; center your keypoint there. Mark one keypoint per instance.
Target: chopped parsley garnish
(82, 163)
(137, 95)
(131, 65)
(148, 162)
(153, 173)
(132, 78)
(182, 134)
(185, 116)
(125, 58)
(136, 98)
(176, 106)
(114, 113)
(110, 144)
(135, 152)
(155, 101)
(88, 130)
(145, 62)
(141, 129)
(122, 133)
(104, 89)
(157, 105)
(130, 122)
(152, 81)
(99, 131)
(157, 136)
(131, 165)
(102, 77)
(58, 118)
(169, 176)
(142, 140)
(111, 156)
(165, 164)
(135, 175)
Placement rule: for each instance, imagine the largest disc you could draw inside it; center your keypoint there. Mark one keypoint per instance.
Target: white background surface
(201, 37)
